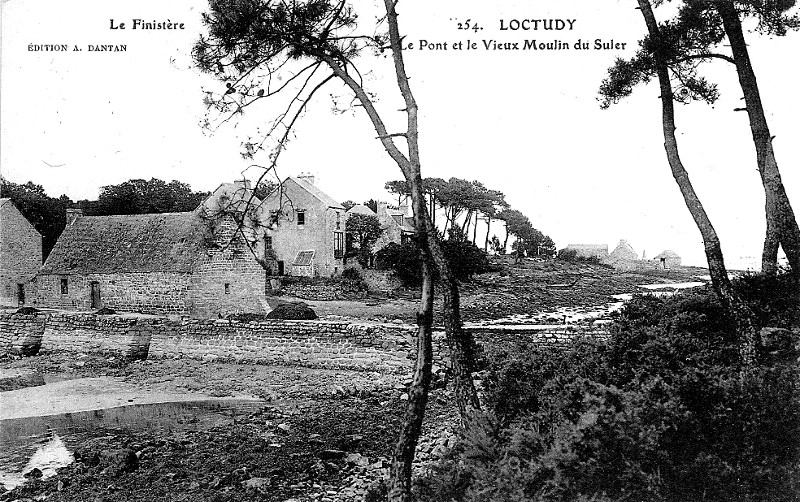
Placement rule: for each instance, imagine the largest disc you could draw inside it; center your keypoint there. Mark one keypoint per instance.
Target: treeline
(463, 204)
(47, 214)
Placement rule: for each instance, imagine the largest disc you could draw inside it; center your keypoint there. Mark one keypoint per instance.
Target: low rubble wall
(319, 344)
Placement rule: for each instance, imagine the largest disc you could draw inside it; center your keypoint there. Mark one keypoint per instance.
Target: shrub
(352, 274)
(297, 311)
(662, 411)
(403, 260)
(465, 260)
(27, 310)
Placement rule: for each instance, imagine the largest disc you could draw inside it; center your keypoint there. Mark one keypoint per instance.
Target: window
(227, 288)
(267, 242)
(301, 217)
(338, 220)
(64, 287)
(338, 244)
(303, 259)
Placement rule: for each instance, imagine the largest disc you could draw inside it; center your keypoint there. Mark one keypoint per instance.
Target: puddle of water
(47, 442)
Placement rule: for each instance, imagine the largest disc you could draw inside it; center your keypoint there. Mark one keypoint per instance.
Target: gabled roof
(316, 192)
(5, 201)
(361, 209)
(161, 242)
(624, 251)
(668, 253)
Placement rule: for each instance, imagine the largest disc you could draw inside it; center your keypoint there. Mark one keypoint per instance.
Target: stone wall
(148, 293)
(20, 253)
(322, 288)
(21, 334)
(320, 344)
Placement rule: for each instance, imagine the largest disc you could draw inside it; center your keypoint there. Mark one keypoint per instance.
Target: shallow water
(47, 442)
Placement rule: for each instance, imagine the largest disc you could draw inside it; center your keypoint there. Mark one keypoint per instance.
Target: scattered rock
(259, 484)
(356, 459)
(117, 462)
(34, 473)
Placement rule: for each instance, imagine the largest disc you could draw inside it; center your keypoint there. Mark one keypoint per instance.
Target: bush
(465, 260)
(403, 260)
(662, 411)
(571, 255)
(352, 274)
(27, 310)
(297, 311)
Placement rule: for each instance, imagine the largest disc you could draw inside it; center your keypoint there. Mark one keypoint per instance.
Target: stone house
(20, 254)
(305, 229)
(397, 224)
(168, 263)
(598, 251)
(623, 256)
(667, 259)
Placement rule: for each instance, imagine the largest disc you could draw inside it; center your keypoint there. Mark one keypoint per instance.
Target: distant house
(168, 263)
(667, 259)
(623, 256)
(306, 234)
(20, 254)
(598, 251)
(397, 224)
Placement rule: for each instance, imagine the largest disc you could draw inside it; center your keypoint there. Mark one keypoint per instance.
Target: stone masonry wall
(319, 344)
(21, 334)
(20, 253)
(149, 293)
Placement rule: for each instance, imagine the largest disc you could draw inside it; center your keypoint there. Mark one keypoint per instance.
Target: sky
(527, 123)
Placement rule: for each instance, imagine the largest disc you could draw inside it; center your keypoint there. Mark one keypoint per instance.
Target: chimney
(242, 184)
(73, 214)
(382, 209)
(308, 177)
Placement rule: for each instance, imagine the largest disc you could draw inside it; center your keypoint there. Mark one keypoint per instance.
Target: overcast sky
(527, 123)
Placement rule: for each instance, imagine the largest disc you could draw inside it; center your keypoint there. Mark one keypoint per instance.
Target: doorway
(96, 304)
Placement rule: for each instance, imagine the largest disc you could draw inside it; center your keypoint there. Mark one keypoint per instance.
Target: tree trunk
(488, 226)
(459, 341)
(769, 257)
(781, 222)
(716, 264)
(505, 241)
(403, 457)
(475, 229)
(467, 222)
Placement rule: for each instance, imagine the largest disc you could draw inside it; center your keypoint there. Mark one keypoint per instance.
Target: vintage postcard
(351, 250)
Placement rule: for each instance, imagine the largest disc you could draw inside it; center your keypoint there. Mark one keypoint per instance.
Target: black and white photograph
(395, 250)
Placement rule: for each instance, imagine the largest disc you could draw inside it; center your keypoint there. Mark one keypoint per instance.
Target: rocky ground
(524, 288)
(319, 435)
(333, 449)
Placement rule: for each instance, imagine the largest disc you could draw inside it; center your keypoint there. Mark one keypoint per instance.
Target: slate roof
(161, 242)
(668, 253)
(317, 193)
